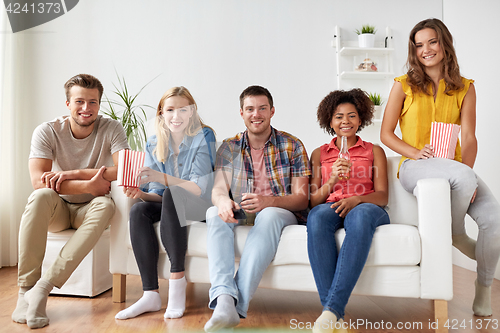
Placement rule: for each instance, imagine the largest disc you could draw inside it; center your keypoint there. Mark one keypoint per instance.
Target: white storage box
(92, 276)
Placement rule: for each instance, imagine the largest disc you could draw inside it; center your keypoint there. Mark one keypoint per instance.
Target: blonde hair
(161, 129)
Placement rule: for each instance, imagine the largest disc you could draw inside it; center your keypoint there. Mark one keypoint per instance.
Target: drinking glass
(250, 216)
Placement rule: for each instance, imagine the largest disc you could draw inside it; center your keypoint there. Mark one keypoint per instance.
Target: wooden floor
(270, 310)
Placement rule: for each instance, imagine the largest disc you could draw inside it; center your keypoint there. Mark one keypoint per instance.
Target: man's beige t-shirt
(54, 140)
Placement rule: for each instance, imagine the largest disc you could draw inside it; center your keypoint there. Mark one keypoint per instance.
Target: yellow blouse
(420, 110)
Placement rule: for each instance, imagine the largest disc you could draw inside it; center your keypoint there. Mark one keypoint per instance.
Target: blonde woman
(178, 177)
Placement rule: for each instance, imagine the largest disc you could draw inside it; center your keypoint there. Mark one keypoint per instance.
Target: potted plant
(377, 104)
(132, 117)
(366, 37)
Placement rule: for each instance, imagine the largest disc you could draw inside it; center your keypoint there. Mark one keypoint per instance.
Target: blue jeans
(336, 273)
(260, 247)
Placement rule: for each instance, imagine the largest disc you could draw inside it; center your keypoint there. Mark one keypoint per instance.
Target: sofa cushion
(400, 202)
(393, 244)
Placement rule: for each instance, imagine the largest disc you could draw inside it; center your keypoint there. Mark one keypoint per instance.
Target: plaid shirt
(284, 157)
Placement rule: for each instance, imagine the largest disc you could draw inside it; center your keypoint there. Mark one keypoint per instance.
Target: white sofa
(411, 257)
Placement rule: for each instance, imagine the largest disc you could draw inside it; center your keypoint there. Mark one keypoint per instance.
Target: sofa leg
(441, 315)
(119, 288)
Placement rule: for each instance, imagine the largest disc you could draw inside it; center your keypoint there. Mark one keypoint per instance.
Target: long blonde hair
(163, 132)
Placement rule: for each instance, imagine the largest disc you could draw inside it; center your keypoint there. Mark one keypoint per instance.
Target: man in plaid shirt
(277, 165)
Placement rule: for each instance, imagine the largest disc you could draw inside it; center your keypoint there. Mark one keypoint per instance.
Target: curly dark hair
(356, 97)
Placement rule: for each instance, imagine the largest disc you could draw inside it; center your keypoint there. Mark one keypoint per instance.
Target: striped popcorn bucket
(129, 163)
(444, 138)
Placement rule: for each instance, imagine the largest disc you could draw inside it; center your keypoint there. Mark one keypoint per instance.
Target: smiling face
(345, 120)
(428, 48)
(176, 112)
(257, 114)
(84, 106)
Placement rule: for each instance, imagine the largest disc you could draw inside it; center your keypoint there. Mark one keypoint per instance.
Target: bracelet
(165, 177)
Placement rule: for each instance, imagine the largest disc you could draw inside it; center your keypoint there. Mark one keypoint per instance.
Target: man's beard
(81, 124)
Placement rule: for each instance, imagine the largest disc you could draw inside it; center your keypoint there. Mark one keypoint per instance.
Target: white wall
(476, 51)
(217, 48)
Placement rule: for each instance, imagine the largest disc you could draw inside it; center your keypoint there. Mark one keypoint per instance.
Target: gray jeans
(485, 210)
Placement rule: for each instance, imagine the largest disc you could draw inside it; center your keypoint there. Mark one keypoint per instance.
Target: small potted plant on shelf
(366, 37)
(132, 116)
(377, 104)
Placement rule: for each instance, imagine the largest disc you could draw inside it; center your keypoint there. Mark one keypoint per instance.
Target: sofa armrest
(118, 252)
(434, 224)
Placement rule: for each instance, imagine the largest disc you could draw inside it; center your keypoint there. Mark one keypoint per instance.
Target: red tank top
(361, 181)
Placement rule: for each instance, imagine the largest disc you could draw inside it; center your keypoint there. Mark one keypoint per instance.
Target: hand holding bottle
(344, 154)
(340, 168)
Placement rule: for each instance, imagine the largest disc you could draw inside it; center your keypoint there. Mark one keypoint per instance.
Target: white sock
(36, 297)
(340, 327)
(19, 314)
(176, 298)
(325, 323)
(149, 302)
(465, 244)
(482, 301)
(224, 316)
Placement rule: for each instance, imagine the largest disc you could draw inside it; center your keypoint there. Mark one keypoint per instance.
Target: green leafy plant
(366, 29)
(375, 98)
(132, 117)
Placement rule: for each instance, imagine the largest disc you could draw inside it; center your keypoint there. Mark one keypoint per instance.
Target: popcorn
(444, 138)
(129, 163)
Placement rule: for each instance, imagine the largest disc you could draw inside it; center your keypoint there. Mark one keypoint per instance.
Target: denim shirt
(195, 162)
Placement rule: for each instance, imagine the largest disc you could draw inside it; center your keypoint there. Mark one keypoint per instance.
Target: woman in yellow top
(433, 90)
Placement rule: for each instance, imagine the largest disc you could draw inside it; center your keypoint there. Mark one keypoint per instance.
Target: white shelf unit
(365, 75)
(349, 55)
(352, 50)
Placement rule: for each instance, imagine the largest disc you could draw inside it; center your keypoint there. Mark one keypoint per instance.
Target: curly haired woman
(354, 204)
